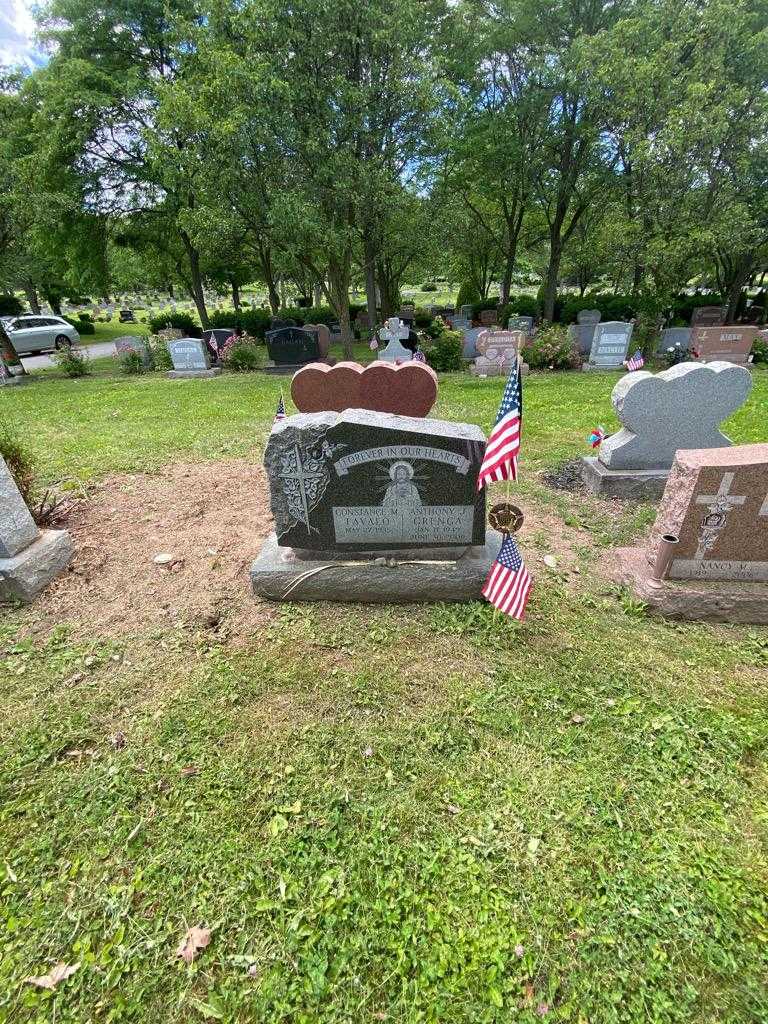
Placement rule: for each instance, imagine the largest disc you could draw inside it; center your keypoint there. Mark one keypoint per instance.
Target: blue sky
(17, 29)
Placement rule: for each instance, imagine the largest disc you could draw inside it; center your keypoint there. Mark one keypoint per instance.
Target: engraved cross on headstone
(719, 506)
(300, 483)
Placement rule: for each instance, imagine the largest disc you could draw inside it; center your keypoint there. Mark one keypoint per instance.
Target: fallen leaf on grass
(117, 739)
(59, 973)
(550, 561)
(195, 939)
(190, 769)
(577, 719)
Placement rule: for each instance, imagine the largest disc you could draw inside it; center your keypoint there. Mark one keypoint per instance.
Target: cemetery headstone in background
(498, 351)
(191, 359)
(609, 346)
(469, 347)
(407, 390)
(348, 488)
(465, 311)
(661, 413)
(127, 343)
(588, 316)
(215, 338)
(394, 332)
(489, 317)
(323, 335)
(291, 347)
(707, 316)
(581, 336)
(715, 512)
(671, 337)
(521, 323)
(733, 343)
(11, 368)
(29, 558)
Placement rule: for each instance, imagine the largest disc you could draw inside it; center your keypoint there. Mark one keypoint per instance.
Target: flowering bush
(445, 350)
(242, 354)
(551, 349)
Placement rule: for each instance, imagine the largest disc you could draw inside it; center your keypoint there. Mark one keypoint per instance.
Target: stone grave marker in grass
(681, 407)
(374, 507)
(29, 558)
(610, 343)
(707, 557)
(191, 359)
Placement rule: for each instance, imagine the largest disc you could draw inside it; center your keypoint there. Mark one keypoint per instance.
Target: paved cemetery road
(101, 348)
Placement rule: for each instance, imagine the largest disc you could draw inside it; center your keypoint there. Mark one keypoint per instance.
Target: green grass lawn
(406, 814)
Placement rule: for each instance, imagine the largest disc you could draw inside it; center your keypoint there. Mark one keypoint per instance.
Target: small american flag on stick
(500, 459)
(509, 583)
(636, 362)
(280, 414)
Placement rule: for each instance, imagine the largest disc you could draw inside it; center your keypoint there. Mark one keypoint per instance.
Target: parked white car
(30, 333)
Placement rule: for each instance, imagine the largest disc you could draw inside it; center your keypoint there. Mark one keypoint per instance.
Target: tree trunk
(170, 291)
(338, 280)
(54, 301)
(235, 294)
(742, 269)
(389, 290)
(550, 284)
(369, 246)
(31, 293)
(196, 278)
(506, 280)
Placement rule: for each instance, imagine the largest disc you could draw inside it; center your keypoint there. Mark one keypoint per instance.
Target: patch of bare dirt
(209, 519)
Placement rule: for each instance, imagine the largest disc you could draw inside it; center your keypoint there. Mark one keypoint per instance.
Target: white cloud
(17, 30)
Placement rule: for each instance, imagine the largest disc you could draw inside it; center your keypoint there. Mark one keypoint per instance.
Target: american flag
(508, 584)
(500, 459)
(280, 414)
(636, 362)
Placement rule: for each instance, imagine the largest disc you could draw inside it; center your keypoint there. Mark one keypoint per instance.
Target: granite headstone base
(637, 484)
(214, 371)
(396, 577)
(697, 600)
(27, 573)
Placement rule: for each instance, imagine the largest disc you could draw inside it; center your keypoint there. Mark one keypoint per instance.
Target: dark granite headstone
(672, 337)
(215, 338)
(581, 336)
(521, 323)
(276, 324)
(366, 481)
(292, 346)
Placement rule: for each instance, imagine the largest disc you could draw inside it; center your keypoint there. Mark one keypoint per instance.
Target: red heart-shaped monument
(409, 389)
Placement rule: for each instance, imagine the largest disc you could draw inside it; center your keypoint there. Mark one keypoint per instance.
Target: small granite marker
(29, 558)
(190, 359)
(710, 539)
(661, 413)
(588, 316)
(374, 507)
(609, 346)
(707, 316)
(128, 343)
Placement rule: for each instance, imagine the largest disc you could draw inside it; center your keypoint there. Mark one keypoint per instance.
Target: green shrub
(551, 349)
(83, 326)
(444, 352)
(244, 356)
(85, 316)
(19, 462)
(73, 362)
(521, 305)
(183, 321)
(760, 350)
(132, 363)
(422, 317)
(684, 305)
(253, 321)
(159, 354)
(312, 315)
(10, 306)
(468, 294)
(429, 287)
